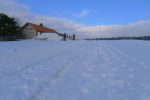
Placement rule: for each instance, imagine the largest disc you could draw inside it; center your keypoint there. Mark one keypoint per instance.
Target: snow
(75, 70)
(49, 36)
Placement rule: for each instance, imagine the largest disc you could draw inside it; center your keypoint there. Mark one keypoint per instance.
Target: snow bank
(48, 36)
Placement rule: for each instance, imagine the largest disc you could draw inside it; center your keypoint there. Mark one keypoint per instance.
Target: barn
(30, 30)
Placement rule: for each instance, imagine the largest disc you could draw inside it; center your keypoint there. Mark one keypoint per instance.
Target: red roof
(40, 28)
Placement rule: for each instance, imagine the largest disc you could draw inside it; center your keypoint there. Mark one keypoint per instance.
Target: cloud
(13, 8)
(83, 13)
(140, 28)
(62, 25)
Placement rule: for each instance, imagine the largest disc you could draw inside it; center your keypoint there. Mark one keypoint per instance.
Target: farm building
(30, 30)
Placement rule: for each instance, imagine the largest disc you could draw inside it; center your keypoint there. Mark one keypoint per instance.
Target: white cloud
(14, 8)
(140, 28)
(83, 13)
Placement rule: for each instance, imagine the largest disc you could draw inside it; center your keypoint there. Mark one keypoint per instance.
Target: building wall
(28, 32)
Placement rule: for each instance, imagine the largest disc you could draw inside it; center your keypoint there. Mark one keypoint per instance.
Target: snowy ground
(75, 70)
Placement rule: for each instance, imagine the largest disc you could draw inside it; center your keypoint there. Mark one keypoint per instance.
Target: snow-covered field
(75, 70)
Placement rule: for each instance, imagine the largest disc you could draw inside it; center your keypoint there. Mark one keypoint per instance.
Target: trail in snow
(82, 70)
(58, 74)
(39, 61)
(106, 73)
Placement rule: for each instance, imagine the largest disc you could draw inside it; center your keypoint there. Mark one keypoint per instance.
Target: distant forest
(123, 38)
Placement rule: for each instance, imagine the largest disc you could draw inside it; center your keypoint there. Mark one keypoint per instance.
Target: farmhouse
(30, 30)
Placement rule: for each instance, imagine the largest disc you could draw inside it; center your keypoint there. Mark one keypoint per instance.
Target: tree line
(124, 38)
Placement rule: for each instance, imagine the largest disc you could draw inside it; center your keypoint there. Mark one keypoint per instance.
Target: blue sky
(92, 12)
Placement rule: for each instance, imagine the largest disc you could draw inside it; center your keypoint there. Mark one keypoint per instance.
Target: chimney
(41, 24)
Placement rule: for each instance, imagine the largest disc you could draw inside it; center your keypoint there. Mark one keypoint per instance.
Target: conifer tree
(8, 26)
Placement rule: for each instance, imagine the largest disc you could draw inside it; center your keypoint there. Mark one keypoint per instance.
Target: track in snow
(79, 71)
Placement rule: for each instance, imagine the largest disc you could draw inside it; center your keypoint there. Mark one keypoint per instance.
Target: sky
(93, 12)
(89, 18)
